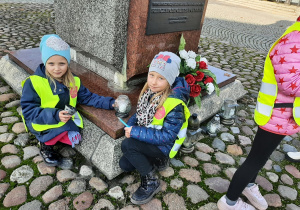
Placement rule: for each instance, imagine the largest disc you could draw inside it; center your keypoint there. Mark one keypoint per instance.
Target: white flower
(191, 63)
(192, 54)
(204, 59)
(210, 88)
(183, 54)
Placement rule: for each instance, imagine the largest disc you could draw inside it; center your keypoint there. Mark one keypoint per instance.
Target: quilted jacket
(166, 136)
(285, 58)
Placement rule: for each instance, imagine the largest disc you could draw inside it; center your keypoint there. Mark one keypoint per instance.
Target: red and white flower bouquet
(193, 68)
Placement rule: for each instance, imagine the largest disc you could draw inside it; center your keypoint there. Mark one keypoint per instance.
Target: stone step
(271, 7)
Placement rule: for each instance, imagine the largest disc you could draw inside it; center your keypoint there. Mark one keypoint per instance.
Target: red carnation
(190, 79)
(200, 76)
(298, 19)
(195, 90)
(208, 80)
(202, 65)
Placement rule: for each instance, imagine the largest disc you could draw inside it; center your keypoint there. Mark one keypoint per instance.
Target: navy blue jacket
(33, 113)
(166, 136)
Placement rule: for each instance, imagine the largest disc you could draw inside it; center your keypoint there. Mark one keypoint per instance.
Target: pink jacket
(285, 58)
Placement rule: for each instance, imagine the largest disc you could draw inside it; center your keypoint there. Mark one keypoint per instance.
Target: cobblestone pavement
(193, 181)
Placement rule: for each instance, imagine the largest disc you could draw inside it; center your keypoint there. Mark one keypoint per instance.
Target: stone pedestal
(109, 37)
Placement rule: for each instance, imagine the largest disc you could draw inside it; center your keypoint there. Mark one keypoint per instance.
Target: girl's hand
(64, 116)
(127, 131)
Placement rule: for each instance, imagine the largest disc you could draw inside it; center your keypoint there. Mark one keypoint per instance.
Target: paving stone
(268, 165)
(190, 161)
(103, 204)
(19, 128)
(218, 144)
(83, 201)
(4, 89)
(242, 160)
(230, 172)
(44, 169)
(9, 148)
(217, 184)
(37, 159)
(211, 169)
(174, 202)
(273, 177)
(86, 172)
(33, 205)
(153, 204)
(6, 137)
(15, 197)
(202, 156)
(62, 204)
(39, 185)
(204, 148)
(22, 174)
(190, 175)
(176, 163)
(132, 188)
(65, 175)
(234, 150)
(296, 143)
(116, 193)
(224, 158)
(242, 113)
(100, 185)
(277, 156)
(196, 193)
(7, 97)
(287, 192)
(77, 186)
(244, 140)
(288, 148)
(273, 200)
(67, 152)
(8, 120)
(11, 161)
(3, 188)
(292, 207)
(6, 114)
(246, 130)
(264, 183)
(235, 130)
(22, 139)
(12, 104)
(167, 172)
(3, 128)
(2, 174)
(286, 179)
(30, 151)
(130, 207)
(176, 184)
(227, 137)
(52, 194)
(209, 206)
(277, 168)
(293, 171)
(287, 138)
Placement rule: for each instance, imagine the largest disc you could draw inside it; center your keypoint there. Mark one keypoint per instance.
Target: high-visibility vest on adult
(49, 100)
(160, 115)
(269, 89)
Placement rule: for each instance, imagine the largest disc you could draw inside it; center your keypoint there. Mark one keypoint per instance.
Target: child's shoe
(51, 158)
(150, 185)
(293, 156)
(255, 198)
(240, 205)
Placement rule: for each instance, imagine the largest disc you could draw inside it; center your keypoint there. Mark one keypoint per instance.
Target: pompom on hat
(52, 44)
(166, 64)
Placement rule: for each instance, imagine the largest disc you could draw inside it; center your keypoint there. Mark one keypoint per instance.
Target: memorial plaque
(165, 16)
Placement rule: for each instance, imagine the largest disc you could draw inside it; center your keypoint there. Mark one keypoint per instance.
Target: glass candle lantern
(228, 112)
(122, 106)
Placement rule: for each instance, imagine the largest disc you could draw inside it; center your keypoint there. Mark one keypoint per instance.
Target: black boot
(150, 185)
(161, 164)
(51, 158)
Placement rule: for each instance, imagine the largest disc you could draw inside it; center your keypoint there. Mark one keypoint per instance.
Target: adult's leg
(140, 154)
(263, 145)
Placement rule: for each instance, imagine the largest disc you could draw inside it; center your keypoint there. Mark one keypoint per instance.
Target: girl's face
(156, 82)
(57, 66)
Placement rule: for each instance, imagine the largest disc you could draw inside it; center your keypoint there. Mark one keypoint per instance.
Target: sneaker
(293, 156)
(254, 196)
(240, 205)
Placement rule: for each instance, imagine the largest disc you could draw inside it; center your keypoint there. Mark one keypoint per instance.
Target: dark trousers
(263, 146)
(139, 155)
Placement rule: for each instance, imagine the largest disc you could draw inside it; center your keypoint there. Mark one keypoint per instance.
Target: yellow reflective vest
(49, 100)
(160, 115)
(269, 89)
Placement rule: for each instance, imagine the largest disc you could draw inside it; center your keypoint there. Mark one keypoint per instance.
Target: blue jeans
(139, 155)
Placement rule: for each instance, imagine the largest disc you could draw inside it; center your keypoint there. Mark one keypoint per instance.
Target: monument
(112, 43)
